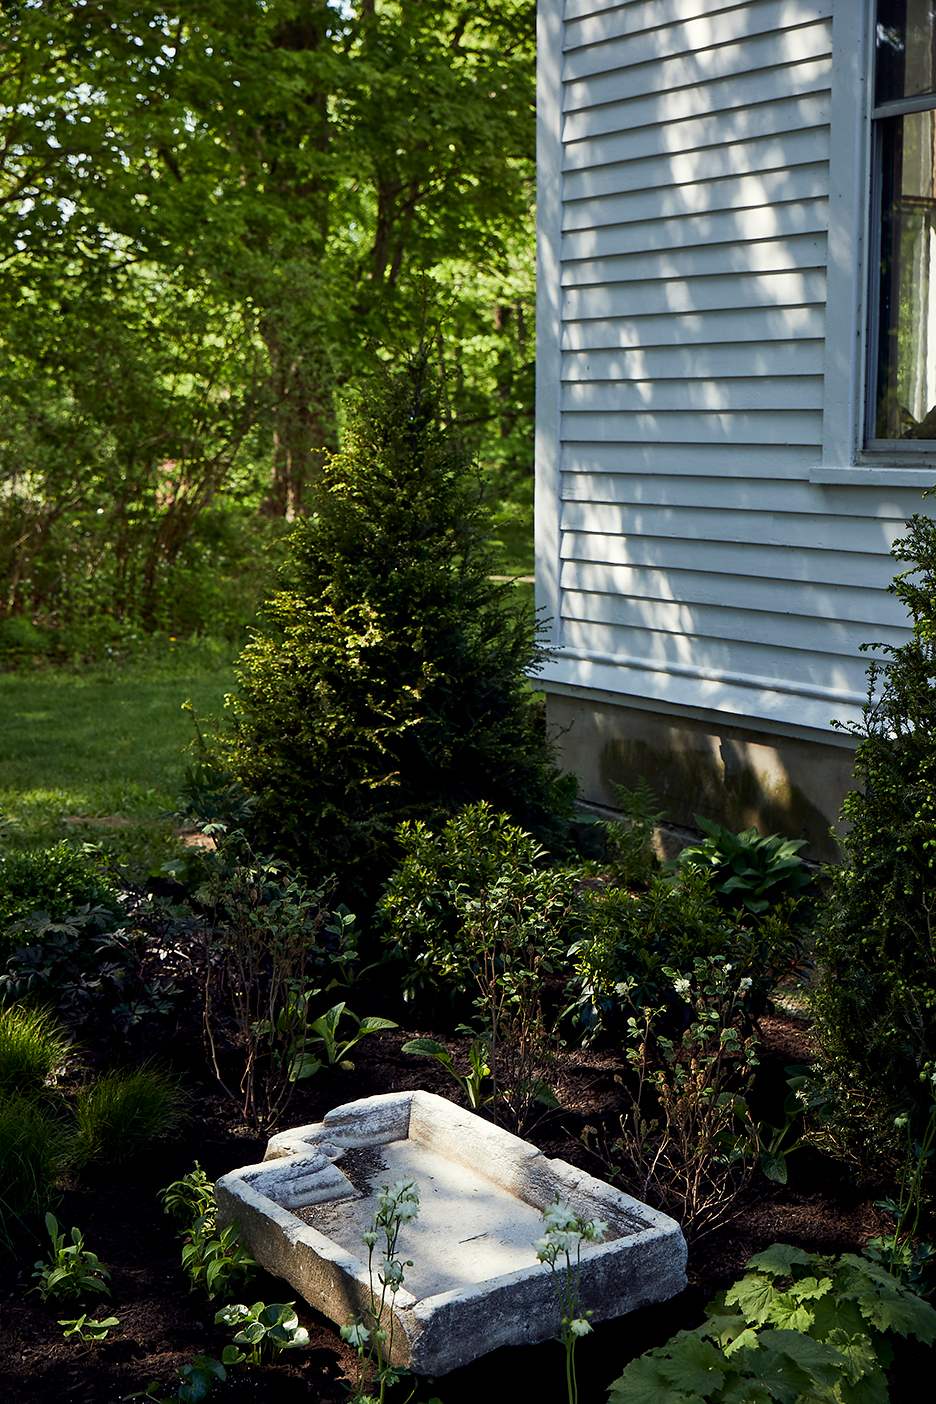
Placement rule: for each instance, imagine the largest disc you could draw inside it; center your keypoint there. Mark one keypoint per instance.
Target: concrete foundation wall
(705, 764)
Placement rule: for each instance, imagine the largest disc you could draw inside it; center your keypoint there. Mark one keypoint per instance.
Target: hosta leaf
(773, 1166)
(373, 1024)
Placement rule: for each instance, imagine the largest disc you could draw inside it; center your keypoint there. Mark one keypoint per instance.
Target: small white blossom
(370, 1237)
(579, 1327)
(594, 1229)
(682, 986)
(390, 1273)
(746, 983)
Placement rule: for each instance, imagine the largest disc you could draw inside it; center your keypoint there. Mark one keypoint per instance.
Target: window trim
(848, 453)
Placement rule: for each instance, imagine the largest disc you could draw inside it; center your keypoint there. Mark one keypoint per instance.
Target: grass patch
(105, 742)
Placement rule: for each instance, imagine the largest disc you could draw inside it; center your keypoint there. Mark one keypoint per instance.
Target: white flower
(559, 1215)
(579, 1327)
(595, 1229)
(370, 1237)
(390, 1273)
(746, 983)
(728, 967)
(682, 987)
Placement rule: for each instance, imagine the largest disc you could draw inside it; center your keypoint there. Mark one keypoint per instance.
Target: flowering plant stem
(566, 1231)
(396, 1205)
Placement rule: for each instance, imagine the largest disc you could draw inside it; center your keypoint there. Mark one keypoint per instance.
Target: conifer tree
(390, 681)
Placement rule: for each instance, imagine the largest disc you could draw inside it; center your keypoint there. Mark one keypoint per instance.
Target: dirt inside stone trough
(163, 1325)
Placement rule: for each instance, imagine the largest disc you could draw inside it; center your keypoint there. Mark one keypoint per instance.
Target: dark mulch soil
(162, 1325)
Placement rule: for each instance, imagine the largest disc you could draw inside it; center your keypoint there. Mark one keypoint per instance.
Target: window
(902, 402)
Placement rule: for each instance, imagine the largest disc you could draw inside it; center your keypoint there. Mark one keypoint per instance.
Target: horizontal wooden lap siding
(855, 602)
(692, 256)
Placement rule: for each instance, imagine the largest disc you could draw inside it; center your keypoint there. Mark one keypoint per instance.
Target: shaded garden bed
(162, 1325)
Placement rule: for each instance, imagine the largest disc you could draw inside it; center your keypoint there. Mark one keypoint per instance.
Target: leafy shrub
(122, 1111)
(32, 1046)
(688, 1143)
(630, 840)
(474, 906)
(55, 881)
(635, 937)
(391, 680)
(91, 974)
(33, 1152)
(274, 947)
(750, 873)
(796, 1328)
(876, 1003)
(216, 1263)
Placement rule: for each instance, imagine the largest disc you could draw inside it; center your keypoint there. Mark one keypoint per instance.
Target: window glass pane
(906, 399)
(905, 49)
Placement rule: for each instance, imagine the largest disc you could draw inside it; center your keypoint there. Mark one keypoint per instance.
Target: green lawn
(103, 743)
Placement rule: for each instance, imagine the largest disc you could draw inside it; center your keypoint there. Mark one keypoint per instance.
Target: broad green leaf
(755, 1295)
(694, 1365)
(773, 1166)
(373, 1024)
(779, 1259)
(642, 1383)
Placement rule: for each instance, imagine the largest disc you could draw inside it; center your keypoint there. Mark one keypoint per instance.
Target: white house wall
(685, 552)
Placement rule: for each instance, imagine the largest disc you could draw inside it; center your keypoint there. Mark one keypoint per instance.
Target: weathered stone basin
(475, 1283)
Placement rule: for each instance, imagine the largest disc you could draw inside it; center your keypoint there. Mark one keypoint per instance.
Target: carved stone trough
(475, 1283)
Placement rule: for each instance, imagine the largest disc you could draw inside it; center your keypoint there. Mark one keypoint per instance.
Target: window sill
(901, 476)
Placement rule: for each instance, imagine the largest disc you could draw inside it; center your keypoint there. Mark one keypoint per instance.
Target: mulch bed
(162, 1325)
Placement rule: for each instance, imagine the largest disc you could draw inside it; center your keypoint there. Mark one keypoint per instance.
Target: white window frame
(850, 313)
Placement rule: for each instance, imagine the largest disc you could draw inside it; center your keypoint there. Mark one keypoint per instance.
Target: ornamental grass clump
(390, 679)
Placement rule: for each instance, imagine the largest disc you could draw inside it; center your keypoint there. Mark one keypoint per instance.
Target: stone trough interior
(475, 1283)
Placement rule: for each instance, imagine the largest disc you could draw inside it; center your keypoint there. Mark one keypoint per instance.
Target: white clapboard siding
(738, 228)
(721, 560)
(749, 659)
(725, 494)
(693, 559)
(769, 595)
(764, 256)
(645, 109)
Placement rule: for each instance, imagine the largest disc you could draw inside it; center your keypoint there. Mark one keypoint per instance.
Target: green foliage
(32, 1047)
(56, 881)
(630, 841)
(189, 1198)
(72, 1270)
(33, 1151)
(121, 1112)
(876, 1003)
(797, 1329)
(87, 1329)
(634, 937)
(264, 1330)
(216, 1262)
(274, 946)
(474, 906)
(688, 1143)
(197, 1377)
(750, 872)
(472, 1083)
(93, 976)
(901, 1251)
(391, 681)
(324, 1030)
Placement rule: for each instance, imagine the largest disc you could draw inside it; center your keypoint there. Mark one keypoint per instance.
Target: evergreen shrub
(876, 1003)
(391, 679)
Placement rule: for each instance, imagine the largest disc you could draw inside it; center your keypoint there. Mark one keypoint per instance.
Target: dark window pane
(905, 49)
(906, 389)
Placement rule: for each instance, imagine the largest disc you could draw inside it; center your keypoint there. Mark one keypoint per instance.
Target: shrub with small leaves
(797, 1327)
